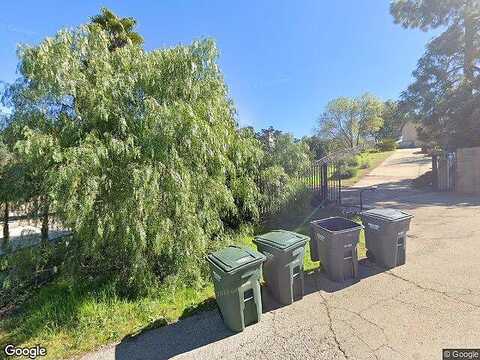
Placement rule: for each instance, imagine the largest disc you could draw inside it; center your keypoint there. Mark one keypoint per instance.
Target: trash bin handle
(247, 274)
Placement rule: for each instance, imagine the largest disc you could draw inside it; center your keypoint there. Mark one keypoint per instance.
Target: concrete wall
(468, 171)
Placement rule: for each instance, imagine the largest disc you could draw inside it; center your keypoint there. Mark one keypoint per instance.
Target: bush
(345, 173)
(387, 145)
(365, 163)
(26, 269)
(278, 190)
(353, 161)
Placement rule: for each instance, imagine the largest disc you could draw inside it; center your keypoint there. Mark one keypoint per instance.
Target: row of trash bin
(237, 271)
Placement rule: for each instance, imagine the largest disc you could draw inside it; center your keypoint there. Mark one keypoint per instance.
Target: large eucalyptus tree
(444, 96)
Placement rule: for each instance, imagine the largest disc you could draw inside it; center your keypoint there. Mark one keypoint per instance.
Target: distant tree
(460, 17)
(282, 149)
(393, 120)
(119, 29)
(349, 122)
(445, 93)
(292, 155)
(318, 146)
(268, 137)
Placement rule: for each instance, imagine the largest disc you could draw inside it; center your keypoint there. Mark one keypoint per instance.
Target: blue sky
(282, 60)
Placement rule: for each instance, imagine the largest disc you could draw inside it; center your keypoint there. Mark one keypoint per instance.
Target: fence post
(339, 190)
(435, 171)
(324, 181)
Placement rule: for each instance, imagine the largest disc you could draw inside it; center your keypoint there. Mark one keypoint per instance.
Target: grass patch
(69, 320)
(372, 159)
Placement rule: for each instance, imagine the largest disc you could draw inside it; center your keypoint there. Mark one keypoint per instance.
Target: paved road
(410, 312)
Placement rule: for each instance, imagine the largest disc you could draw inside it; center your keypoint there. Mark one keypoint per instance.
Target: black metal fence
(324, 179)
(325, 175)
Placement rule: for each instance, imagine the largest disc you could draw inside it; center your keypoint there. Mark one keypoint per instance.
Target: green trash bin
(335, 242)
(386, 236)
(236, 273)
(283, 269)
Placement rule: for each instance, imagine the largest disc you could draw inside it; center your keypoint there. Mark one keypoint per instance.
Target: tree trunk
(469, 51)
(44, 230)
(6, 230)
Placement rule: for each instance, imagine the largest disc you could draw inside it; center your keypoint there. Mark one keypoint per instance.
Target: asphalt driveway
(410, 312)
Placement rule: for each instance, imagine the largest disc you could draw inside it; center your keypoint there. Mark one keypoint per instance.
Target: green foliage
(70, 317)
(26, 269)
(318, 146)
(364, 163)
(393, 119)
(286, 159)
(444, 95)
(120, 30)
(353, 161)
(350, 122)
(283, 150)
(143, 161)
(345, 172)
(387, 145)
(427, 14)
(139, 154)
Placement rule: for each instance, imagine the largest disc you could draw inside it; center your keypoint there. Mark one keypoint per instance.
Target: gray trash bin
(236, 273)
(334, 243)
(386, 236)
(283, 269)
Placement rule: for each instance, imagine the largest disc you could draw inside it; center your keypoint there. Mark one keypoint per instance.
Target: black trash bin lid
(281, 239)
(388, 214)
(233, 258)
(336, 224)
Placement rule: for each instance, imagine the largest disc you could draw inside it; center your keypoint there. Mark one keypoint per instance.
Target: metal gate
(443, 171)
(325, 181)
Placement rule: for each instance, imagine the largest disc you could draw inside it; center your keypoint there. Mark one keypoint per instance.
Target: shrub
(387, 145)
(365, 163)
(24, 270)
(344, 173)
(353, 161)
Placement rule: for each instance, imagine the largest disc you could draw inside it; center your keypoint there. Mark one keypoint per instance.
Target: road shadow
(161, 341)
(318, 280)
(411, 159)
(165, 342)
(408, 197)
